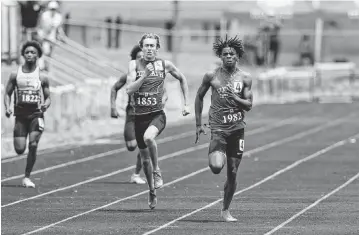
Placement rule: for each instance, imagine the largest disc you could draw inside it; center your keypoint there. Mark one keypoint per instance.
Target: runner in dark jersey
(231, 98)
(129, 129)
(146, 83)
(31, 87)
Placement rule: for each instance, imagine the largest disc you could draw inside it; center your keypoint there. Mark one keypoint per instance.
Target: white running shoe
(136, 179)
(227, 216)
(27, 183)
(157, 178)
(152, 199)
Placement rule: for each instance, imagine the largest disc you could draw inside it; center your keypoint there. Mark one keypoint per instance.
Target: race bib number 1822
(29, 97)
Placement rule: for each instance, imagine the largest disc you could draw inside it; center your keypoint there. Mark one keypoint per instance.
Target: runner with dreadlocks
(231, 98)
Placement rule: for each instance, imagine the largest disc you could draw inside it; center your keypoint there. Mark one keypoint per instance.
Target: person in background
(49, 30)
(306, 51)
(30, 13)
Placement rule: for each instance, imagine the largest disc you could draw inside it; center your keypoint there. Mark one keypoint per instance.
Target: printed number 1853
(149, 101)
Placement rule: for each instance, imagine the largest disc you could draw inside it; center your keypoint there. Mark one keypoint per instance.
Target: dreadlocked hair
(234, 43)
(150, 35)
(134, 52)
(32, 44)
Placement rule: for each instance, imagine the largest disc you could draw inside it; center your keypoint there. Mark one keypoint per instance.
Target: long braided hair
(234, 43)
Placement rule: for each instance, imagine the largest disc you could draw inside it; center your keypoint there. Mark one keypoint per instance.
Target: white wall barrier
(72, 105)
(10, 31)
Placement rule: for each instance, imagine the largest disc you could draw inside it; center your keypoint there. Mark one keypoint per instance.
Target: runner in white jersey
(129, 128)
(31, 87)
(146, 82)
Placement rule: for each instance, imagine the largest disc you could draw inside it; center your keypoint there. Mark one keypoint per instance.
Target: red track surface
(259, 208)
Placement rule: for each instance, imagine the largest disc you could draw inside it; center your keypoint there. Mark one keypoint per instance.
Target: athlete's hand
(8, 113)
(185, 110)
(114, 113)
(43, 108)
(199, 131)
(148, 70)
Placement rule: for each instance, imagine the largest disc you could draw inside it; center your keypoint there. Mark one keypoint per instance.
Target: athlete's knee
(150, 135)
(231, 177)
(216, 161)
(131, 145)
(148, 138)
(19, 149)
(145, 154)
(146, 161)
(19, 146)
(33, 145)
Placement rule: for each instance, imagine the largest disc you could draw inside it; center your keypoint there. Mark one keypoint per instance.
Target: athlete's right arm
(202, 90)
(133, 84)
(9, 89)
(117, 86)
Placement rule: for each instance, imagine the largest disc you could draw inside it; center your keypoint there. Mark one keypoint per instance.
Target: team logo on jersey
(139, 73)
(158, 65)
(157, 74)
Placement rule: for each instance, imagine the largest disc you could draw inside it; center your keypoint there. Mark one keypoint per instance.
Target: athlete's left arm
(46, 92)
(247, 100)
(176, 73)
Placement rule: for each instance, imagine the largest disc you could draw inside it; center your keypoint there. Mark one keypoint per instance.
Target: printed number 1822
(232, 117)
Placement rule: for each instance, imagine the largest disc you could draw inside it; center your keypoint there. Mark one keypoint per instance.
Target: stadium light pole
(174, 31)
(318, 31)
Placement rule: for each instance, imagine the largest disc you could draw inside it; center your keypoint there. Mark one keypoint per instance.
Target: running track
(300, 176)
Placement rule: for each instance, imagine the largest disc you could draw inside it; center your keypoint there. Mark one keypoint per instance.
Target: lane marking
(291, 166)
(188, 150)
(124, 149)
(340, 143)
(100, 140)
(313, 205)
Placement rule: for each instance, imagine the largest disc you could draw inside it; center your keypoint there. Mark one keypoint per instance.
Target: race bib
(146, 99)
(29, 97)
(231, 117)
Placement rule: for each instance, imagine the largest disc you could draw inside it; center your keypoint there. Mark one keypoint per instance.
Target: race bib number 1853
(146, 101)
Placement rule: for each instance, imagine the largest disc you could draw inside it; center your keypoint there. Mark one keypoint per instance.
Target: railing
(103, 61)
(339, 83)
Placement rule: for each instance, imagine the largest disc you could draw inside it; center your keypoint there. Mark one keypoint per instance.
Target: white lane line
(185, 177)
(248, 153)
(100, 140)
(320, 152)
(188, 150)
(63, 147)
(96, 156)
(124, 149)
(313, 205)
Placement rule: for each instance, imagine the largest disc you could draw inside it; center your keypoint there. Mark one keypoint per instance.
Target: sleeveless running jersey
(148, 98)
(28, 90)
(224, 112)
